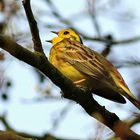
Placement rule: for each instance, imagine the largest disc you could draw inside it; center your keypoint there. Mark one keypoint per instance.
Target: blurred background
(30, 103)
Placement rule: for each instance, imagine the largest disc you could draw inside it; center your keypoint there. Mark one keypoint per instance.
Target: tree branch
(132, 122)
(33, 26)
(39, 61)
(9, 135)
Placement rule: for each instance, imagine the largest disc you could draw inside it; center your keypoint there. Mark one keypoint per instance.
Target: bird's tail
(133, 100)
(128, 94)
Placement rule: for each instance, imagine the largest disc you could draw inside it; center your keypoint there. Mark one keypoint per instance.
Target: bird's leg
(79, 84)
(79, 81)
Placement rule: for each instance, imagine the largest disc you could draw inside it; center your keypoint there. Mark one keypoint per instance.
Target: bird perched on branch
(87, 68)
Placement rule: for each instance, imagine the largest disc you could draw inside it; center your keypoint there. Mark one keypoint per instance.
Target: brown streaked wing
(94, 66)
(85, 61)
(89, 63)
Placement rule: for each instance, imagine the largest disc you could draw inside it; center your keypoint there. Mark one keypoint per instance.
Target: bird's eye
(66, 32)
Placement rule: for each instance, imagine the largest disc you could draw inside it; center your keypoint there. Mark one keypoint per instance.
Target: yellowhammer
(87, 68)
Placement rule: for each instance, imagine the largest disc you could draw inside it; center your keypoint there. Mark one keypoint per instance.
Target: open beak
(55, 32)
(50, 41)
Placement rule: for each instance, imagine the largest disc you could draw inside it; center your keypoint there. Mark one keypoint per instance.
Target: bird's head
(66, 34)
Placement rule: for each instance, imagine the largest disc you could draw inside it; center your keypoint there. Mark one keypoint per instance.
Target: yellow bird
(87, 68)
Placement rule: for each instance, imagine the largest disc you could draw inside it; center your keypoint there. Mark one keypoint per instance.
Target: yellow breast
(56, 58)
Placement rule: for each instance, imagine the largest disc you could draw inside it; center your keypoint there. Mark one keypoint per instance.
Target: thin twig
(5, 123)
(92, 12)
(108, 47)
(33, 26)
(12, 134)
(63, 20)
(57, 14)
(57, 121)
(129, 63)
(114, 42)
